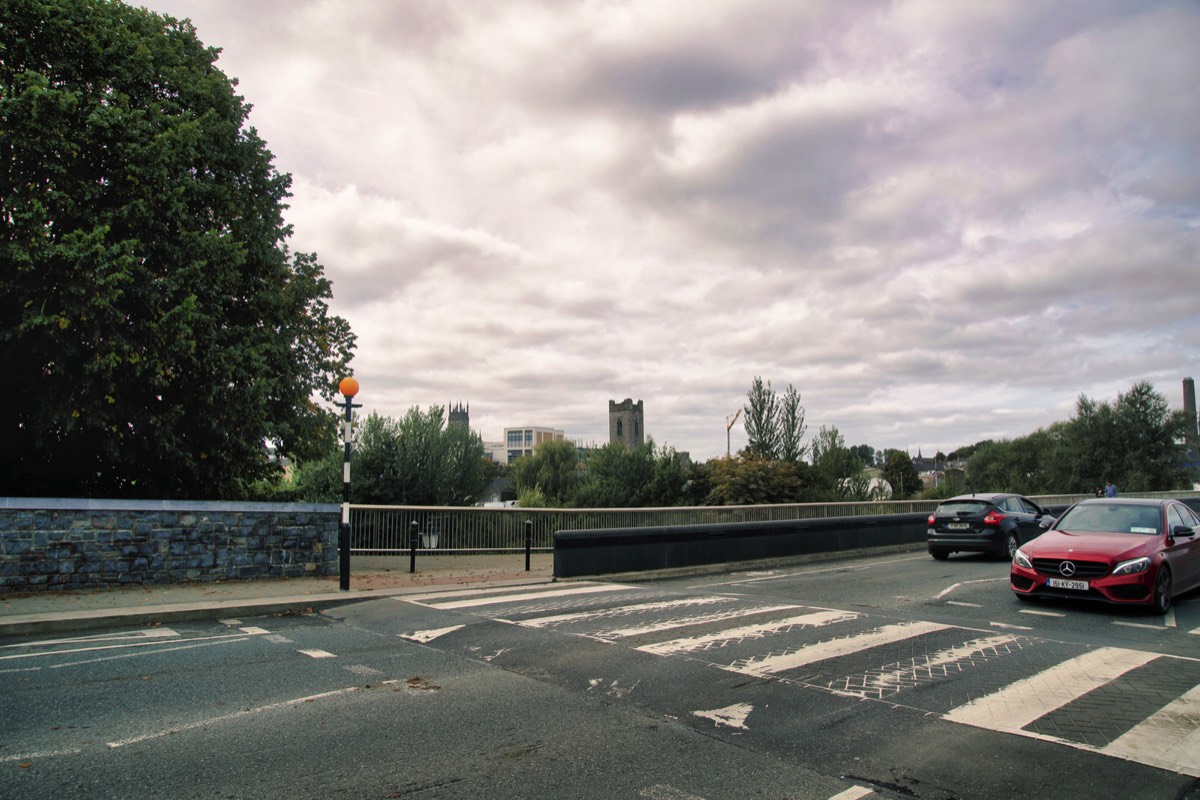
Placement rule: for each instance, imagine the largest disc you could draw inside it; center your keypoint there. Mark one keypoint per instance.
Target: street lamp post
(348, 387)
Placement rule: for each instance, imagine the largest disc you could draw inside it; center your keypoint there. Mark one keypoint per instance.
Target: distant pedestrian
(1110, 488)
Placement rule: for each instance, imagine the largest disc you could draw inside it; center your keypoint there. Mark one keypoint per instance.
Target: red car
(1126, 551)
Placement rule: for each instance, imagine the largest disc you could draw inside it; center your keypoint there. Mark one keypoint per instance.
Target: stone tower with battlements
(626, 423)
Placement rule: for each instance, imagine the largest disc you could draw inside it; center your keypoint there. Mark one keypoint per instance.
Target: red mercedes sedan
(1128, 551)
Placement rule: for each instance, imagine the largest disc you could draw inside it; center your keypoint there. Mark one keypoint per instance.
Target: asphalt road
(893, 677)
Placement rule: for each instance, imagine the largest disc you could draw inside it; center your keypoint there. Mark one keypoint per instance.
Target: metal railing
(388, 529)
(380, 530)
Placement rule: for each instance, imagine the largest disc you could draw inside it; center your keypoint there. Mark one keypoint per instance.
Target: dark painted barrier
(612, 550)
(604, 551)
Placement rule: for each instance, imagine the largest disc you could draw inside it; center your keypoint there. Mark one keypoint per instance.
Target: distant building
(460, 415)
(626, 423)
(521, 441)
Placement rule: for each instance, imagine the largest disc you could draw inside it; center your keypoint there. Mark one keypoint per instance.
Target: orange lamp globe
(348, 387)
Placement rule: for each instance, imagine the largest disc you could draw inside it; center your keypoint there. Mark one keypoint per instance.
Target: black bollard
(528, 542)
(412, 546)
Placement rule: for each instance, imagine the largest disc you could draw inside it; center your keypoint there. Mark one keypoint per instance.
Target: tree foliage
(755, 481)
(552, 471)
(640, 478)
(157, 326)
(774, 426)
(841, 474)
(417, 460)
(1132, 440)
(901, 474)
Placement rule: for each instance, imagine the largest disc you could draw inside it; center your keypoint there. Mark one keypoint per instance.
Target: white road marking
(429, 635)
(230, 622)
(51, 653)
(800, 573)
(813, 620)
(1008, 627)
(514, 598)
(150, 633)
(42, 755)
(1169, 738)
(854, 793)
(683, 622)
(733, 716)
(954, 586)
(1020, 703)
(254, 631)
(1036, 613)
(659, 792)
(235, 715)
(362, 669)
(961, 603)
(317, 653)
(539, 622)
(141, 653)
(770, 665)
(966, 652)
(1139, 625)
(277, 639)
(1196, 631)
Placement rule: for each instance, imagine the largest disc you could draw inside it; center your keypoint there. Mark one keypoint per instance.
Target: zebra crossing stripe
(577, 616)
(1020, 703)
(1168, 739)
(683, 622)
(770, 665)
(514, 598)
(687, 645)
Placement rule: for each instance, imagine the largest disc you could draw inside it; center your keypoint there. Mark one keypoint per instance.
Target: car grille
(1083, 569)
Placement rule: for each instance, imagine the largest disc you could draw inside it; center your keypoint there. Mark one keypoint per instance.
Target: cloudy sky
(940, 221)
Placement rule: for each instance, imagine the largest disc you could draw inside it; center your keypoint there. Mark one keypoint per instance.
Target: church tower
(459, 415)
(626, 423)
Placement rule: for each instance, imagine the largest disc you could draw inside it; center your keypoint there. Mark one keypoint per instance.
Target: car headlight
(1132, 567)
(1022, 560)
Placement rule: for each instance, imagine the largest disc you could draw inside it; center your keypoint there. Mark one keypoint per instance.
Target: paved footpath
(370, 576)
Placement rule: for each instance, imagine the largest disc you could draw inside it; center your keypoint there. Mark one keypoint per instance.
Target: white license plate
(958, 526)
(1062, 583)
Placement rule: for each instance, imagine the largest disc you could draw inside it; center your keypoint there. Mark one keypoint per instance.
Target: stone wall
(50, 544)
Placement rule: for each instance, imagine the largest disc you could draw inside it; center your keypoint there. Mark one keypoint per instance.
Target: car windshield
(963, 507)
(1112, 518)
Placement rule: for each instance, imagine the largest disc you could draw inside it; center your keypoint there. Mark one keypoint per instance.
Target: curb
(67, 621)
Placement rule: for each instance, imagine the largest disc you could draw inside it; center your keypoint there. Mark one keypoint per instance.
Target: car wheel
(1160, 602)
(1013, 544)
(940, 555)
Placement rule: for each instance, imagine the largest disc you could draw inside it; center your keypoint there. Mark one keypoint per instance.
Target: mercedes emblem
(1066, 569)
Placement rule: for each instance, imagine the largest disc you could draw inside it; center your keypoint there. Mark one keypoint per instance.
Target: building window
(620, 428)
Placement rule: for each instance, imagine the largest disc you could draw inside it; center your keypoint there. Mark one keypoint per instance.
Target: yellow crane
(729, 424)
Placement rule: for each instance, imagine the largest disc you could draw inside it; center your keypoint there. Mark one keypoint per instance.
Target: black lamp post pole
(349, 388)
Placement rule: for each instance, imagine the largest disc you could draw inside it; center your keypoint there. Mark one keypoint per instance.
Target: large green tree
(550, 474)
(417, 460)
(643, 477)
(158, 336)
(901, 474)
(774, 425)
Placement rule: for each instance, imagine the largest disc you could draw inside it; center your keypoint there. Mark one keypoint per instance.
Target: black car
(996, 524)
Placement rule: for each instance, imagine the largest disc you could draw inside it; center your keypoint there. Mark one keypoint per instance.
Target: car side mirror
(1045, 522)
(1183, 530)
